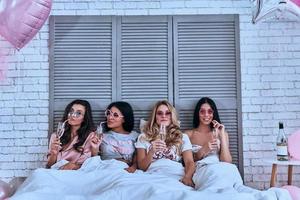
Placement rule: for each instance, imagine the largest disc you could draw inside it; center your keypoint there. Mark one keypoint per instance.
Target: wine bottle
(282, 150)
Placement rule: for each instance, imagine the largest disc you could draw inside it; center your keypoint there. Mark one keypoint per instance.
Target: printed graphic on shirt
(169, 153)
(124, 149)
(115, 145)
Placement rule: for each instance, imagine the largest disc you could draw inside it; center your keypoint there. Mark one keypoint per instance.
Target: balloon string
(279, 59)
(3, 66)
(5, 51)
(280, 56)
(282, 61)
(19, 70)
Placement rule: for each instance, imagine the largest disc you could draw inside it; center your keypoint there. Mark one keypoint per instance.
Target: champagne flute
(214, 133)
(162, 132)
(60, 129)
(100, 129)
(215, 137)
(162, 137)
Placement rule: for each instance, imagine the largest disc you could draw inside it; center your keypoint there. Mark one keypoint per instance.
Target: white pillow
(142, 124)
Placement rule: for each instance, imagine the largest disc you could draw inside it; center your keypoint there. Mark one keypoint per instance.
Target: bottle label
(282, 150)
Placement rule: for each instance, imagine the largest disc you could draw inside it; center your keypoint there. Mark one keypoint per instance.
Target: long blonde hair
(151, 129)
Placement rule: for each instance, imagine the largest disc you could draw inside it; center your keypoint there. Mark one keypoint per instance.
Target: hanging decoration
(277, 9)
(22, 19)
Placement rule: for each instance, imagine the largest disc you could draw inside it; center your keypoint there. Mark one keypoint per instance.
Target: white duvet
(103, 180)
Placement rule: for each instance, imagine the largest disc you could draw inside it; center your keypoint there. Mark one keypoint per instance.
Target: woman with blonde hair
(162, 146)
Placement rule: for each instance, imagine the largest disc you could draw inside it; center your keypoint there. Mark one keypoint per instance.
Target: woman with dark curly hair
(78, 141)
(169, 149)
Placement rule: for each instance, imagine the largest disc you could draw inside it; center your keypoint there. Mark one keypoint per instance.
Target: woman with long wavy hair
(168, 150)
(78, 141)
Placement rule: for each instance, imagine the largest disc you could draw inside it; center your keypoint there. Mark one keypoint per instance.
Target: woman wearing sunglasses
(75, 141)
(157, 153)
(209, 136)
(210, 146)
(118, 142)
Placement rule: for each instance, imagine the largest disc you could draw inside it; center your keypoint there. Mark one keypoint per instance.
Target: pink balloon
(294, 144)
(20, 20)
(5, 190)
(294, 191)
(297, 2)
(281, 9)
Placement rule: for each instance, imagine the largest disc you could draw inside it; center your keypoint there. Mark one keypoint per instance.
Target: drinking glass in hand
(214, 133)
(215, 137)
(100, 129)
(60, 129)
(162, 132)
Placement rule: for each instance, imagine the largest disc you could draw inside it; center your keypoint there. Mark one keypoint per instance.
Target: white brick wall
(24, 108)
(270, 68)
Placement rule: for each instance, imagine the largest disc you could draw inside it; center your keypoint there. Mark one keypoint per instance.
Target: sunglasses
(75, 114)
(203, 111)
(115, 115)
(160, 113)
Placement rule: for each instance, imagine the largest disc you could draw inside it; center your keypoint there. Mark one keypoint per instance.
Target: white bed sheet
(101, 180)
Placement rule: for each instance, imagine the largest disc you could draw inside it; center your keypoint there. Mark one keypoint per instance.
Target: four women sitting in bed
(79, 141)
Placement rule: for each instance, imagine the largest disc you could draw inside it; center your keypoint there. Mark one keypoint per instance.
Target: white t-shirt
(171, 153)
(117, 145)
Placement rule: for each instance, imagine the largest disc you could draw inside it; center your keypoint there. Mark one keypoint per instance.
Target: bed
(106, 179)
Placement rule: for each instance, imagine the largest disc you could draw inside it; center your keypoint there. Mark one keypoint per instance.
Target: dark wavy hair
(86, 126)
(213, 106)
(126, 110)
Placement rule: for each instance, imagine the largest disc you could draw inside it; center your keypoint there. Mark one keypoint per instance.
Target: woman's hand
(53, 151)
(95, 143)
(211, 146)
(187, 181)
(225, 154)
(70, 166)
(55, 146)
(128, 162)
(158, 145)
(220, 129)
(131, 169)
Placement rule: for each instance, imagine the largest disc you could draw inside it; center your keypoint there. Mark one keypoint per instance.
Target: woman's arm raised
(144, 158)
(53, 150)
(225, 154)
